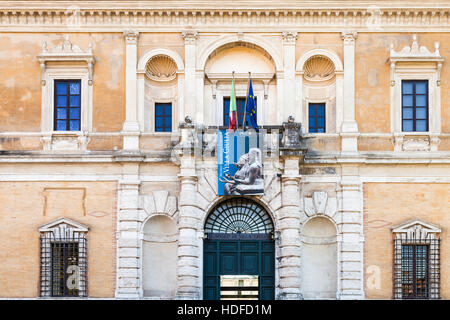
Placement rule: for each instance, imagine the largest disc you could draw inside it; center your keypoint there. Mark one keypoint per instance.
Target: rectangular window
(64, 269)
(63, 265)
(414, 271)
(163, 117)
(416, 268)
(316, 117)
(415, 105)
(240, 107)
(67, 113)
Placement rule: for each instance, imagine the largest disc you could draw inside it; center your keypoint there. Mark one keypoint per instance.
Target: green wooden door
(238, 257)
(238, 242)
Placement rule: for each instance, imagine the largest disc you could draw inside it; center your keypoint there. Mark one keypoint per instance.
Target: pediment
(63, 223)
(415, 52)
(410, 226)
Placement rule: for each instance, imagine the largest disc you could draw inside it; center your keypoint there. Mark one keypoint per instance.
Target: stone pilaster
(349, 129)
(131, 130)
(289, 40)
(188, 267)
(190, 80)
(128, 282)
(350, 227)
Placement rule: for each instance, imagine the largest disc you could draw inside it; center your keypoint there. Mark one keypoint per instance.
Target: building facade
(110, 112)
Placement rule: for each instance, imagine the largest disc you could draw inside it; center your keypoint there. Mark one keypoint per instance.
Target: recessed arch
(159, 243)
(319, 256)
(320, 52)
(227, 40)
(160, 51)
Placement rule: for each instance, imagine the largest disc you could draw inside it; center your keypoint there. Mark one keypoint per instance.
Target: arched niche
(160, 80)
(320, 80)
(159, 257)
(241, 57)
(319, 259)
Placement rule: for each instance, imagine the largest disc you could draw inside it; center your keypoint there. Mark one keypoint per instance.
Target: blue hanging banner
(240, 163)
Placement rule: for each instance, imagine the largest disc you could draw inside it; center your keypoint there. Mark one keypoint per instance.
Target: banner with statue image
(240, 163)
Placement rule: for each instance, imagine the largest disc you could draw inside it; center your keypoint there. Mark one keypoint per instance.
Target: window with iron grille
(417, 267)
(163, 117)
(63, 263)
(67, 114)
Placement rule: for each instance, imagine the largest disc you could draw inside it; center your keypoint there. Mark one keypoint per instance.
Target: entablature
(80, 14)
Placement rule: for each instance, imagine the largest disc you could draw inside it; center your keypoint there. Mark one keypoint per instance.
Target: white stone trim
(131, 127)
(160, 51)
(146, 116)
(261, 42)
(416, 63)
(412, 226)
(320, 52)
(303, 101)
(65, 222)
(169, 15)
(68, 54)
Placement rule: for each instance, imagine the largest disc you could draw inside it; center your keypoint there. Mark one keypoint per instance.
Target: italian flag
(233, 110)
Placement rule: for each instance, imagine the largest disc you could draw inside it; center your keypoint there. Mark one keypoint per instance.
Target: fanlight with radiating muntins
(239, 216)
(318, 68)
(161, 68)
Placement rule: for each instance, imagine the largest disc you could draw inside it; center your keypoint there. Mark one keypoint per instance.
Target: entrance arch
(238, 252)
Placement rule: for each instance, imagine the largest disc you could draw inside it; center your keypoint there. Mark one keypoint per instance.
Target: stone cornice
(359, 16)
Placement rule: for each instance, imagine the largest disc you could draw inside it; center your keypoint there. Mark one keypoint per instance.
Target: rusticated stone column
(188, 268)
(289, 225)
(128, 283)
(350, 226)
(289, 215)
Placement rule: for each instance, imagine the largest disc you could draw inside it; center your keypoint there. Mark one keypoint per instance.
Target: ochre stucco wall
(387, 205)
(372, 77)
(26, 206)
(20, 79)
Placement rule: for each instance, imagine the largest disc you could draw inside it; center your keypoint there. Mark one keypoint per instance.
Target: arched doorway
(238, 252)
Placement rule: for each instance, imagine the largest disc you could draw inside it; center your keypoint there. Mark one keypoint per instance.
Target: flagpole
(231, 102)
(245, 104)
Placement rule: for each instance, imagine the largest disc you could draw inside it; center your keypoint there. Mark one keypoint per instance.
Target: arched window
(241, 216)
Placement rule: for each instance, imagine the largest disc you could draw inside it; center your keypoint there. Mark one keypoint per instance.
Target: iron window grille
(416, 267)
(63, 269)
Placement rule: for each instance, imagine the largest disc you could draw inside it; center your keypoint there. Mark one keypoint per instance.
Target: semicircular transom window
(161, 68)
(318, 68)
(239, 216)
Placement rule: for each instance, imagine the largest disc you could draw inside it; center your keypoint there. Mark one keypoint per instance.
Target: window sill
(416, 141)
(65, 141)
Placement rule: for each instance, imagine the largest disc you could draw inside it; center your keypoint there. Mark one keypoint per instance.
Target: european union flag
(251, 107)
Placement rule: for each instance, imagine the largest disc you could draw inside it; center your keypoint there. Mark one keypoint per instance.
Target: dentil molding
(78, 17)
